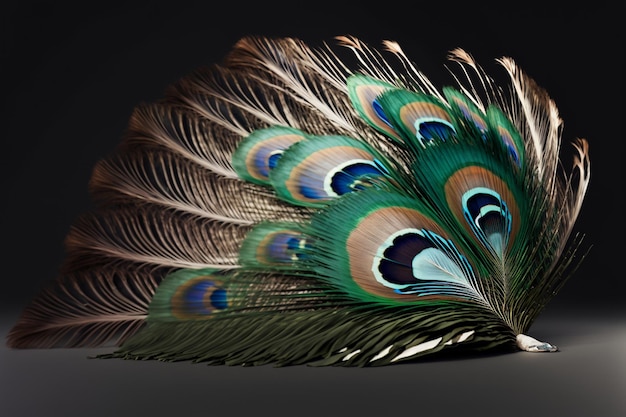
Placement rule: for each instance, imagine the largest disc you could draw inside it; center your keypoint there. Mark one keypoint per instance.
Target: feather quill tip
(530, 344)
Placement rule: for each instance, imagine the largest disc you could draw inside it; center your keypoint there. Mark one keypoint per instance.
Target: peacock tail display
(323, 206)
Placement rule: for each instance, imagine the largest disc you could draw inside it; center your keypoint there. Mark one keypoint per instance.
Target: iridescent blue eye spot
(295, 248)
(514, 154)
(194, 294)
(294, 243)
(200, 297)
(466, 112)
(285, 247)
(509, 143)
(378, 110)
(354, 177)
(259, 164)
(430, 128)
(310, 192)
(219, 299)
(396, 264)
(266, 160)
(472, 117)
(489, 217)
(421, 262)
(274, 157)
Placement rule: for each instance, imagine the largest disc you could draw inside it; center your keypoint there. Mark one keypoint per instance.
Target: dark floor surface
(587, 377)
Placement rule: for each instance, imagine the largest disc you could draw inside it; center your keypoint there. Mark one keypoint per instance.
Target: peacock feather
(322, 206)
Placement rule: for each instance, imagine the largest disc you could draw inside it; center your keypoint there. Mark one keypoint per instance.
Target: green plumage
(301, 212)
(350, 336)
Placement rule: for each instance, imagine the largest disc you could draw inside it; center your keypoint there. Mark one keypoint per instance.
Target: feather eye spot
(273, 245)
(428, 129)
(467, 112)
(258, 153)
(489, 217)
(504, 130)
(398, 253)
(198, 298)
(317, 172)
(380, 113)
(219, 299)
(509, 143)
(471, 115)
(484, 204)
(264, 156)
(514, 155)
(394, 263)
(419, 116)
(413, 261)
(364, 93)
(272, 160)
(282, 247)
(351, 176)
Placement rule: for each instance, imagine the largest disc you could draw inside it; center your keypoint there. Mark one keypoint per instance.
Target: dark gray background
(70, 79)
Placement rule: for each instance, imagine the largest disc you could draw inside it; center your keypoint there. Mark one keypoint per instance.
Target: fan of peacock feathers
(284, 208)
